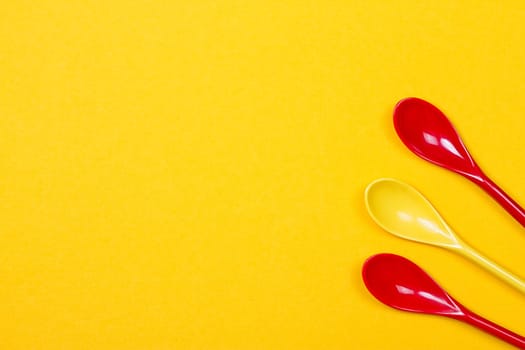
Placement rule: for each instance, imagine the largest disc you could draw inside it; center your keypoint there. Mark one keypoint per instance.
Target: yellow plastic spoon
(404, 212)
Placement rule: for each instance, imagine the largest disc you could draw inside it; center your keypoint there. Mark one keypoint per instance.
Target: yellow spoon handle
(492, 267)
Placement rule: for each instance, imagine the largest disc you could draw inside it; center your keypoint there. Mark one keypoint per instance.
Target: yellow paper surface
(190, 174)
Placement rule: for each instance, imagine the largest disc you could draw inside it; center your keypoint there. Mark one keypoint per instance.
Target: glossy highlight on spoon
(428, 133)
(399, 283)
(401, 210)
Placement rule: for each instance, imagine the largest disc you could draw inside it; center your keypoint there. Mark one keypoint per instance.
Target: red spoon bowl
(399, 283)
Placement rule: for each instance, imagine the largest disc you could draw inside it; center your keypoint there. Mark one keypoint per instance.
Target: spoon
(401, 284)
(404, 212)
(427, 132)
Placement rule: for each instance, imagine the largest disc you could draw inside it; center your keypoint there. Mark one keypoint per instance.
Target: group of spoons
(402, 211)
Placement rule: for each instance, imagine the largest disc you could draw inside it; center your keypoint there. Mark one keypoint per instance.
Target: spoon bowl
(427, 132)
(401, 210)
(401, 284)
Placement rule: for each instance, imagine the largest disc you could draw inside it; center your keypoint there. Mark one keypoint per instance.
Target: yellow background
(190, 174)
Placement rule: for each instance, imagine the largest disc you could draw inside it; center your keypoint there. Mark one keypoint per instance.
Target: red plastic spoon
(427, 132)
(401, 284)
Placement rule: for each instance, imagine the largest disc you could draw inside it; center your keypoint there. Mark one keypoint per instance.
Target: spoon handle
(492, 267)
(502, 198)
(494, 329)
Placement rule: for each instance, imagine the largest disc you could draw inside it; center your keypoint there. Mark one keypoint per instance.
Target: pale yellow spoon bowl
(404, 212)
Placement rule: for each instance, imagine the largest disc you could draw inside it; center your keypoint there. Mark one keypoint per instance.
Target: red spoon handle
(503, 199)
(494, 329)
